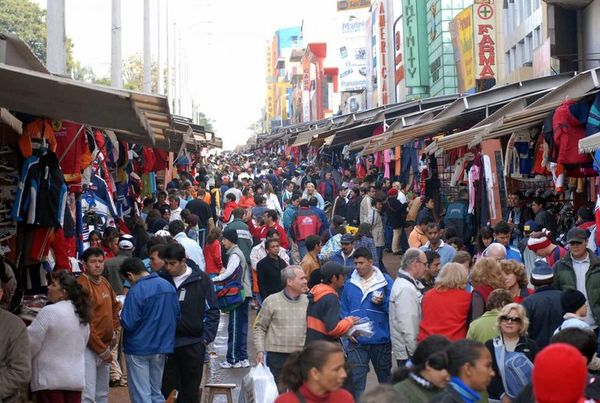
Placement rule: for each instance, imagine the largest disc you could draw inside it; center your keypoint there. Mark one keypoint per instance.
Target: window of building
(507, 62)
(529, 48)
(537, 36)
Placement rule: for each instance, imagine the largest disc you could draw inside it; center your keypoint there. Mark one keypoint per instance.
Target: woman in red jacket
(445, 308)
(315, 375)
(212, 252)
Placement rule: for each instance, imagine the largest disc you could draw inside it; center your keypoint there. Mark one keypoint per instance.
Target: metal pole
(56, 56)
(116, 64)
(161, 89)
(147, 77)
(169, 87)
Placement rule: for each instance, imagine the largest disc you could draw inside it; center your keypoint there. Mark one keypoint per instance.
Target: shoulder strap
(556, 254)
(299, 397)
(499, 351)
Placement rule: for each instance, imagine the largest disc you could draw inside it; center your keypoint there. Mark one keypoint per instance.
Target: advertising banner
(353, 55)
(399, 60)
(542, 61)
(461, 32)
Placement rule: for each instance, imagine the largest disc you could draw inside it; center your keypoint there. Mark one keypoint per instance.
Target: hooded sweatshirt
(323, 315)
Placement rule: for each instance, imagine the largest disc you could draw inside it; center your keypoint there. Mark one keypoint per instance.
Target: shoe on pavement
(227, 365)
(242, 364)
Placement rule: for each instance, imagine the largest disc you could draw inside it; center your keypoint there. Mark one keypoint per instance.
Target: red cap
(393, 192)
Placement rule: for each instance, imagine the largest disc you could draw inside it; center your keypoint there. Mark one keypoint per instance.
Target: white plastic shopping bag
(258, 386)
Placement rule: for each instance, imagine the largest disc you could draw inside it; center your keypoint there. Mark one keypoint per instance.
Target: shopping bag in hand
(258, 386)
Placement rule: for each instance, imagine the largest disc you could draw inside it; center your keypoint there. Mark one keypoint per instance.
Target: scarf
(465, 392)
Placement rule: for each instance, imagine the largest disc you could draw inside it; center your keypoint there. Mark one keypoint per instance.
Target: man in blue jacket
(196, 328)
(366, 295)
(149, 319)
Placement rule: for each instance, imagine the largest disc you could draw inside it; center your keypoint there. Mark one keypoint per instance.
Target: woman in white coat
(57, 337)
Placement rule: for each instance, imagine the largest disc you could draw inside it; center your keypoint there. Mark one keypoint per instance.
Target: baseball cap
(347, 238)
(531, 226)
(576, 235)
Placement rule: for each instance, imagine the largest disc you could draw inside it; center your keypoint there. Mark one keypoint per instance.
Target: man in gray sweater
(280, 327)
(15, 363)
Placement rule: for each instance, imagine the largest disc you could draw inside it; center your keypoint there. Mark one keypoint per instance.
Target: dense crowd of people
(504, 313)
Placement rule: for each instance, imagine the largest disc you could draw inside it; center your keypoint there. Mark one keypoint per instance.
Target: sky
(222, 42)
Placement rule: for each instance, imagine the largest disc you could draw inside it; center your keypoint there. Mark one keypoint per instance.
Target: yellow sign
(343, 5)
(461, 29)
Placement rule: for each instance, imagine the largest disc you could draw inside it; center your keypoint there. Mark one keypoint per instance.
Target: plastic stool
(215, 389)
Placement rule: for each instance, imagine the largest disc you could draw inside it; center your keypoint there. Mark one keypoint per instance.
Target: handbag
(230, 291)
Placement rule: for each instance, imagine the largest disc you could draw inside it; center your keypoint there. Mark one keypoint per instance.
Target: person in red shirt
(230, 205)
(270, 218)
(212, 252)
(315, 375)
(445, 308)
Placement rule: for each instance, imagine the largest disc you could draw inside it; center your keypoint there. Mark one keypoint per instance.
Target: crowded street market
(436, 247)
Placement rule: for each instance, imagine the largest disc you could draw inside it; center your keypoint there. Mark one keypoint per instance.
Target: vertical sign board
(414, 21)
(353, 55)
(399, 83)
(382, 55)
(485, 40)
(372, 57)
(305, 89)
(461, 32)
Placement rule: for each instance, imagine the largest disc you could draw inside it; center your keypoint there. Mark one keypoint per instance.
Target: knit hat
(571, 301)
(126, 242)
(559, 374)
(393, 192)
(231, 235)
(538, 243)
(541, 270)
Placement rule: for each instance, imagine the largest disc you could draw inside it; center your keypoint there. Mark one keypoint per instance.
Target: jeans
(410, 160)
(381, 266)
(145, 373)
(96, 378)
(237, 334)
(388, 234)
(359, 355)
(302, 250)
(183, 371)
(275, 363)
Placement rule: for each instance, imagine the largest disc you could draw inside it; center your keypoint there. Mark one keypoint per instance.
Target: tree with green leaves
(26, 20)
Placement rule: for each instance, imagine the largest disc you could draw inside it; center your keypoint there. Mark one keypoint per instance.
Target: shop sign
(353, 55)
(399, 61)
(485, 40)
(414, 21)
(461, 32)
(343, 5)
(305, 106)
(383, 68)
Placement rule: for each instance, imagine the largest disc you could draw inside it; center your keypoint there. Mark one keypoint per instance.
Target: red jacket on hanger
(569, 127)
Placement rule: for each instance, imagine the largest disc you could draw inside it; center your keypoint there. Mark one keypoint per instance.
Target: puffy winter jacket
(569, 127)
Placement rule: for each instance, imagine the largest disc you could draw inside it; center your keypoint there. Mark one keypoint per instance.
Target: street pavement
(219, 351)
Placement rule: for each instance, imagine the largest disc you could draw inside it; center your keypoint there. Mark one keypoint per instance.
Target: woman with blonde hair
(512, 354)
(272, 200)
(516, 279)
(486, 276)
(445, 308)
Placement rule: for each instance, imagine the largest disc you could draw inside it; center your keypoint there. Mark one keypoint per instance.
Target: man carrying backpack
(458, 217)
(305, 223)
